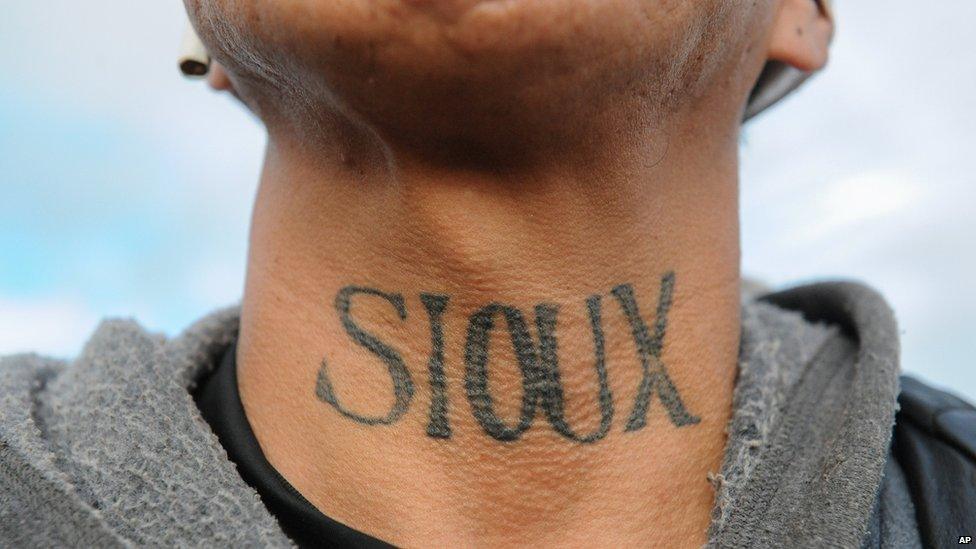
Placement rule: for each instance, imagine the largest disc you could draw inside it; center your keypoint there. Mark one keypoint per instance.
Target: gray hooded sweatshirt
(109, 450)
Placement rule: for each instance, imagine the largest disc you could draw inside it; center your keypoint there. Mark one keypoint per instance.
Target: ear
(218, 79)
(802, 33)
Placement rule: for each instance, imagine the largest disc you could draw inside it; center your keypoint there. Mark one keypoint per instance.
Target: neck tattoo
(537, 361)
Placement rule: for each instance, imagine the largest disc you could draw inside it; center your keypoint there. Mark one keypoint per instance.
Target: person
(494, 299)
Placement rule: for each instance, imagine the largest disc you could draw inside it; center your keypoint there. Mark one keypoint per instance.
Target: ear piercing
(194, 59)
(827, 8)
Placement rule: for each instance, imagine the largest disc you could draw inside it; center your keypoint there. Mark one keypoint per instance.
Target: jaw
(496, 75)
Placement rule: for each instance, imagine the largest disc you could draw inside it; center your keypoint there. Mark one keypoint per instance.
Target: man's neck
(449, 356)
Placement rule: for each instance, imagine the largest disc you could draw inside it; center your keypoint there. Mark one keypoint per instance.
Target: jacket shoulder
(29, 360)
(39, 505)
(22, 374)
(935, 444)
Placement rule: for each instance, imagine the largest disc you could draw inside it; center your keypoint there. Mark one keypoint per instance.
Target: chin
(459, 68)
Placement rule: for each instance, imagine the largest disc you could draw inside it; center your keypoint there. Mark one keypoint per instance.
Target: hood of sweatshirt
(110, 449)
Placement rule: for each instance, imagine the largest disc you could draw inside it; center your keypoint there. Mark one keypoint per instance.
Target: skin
(493, 284)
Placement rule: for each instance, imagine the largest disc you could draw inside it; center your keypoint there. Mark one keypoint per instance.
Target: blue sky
(126, 191)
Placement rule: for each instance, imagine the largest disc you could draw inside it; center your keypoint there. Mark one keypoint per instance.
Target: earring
(194, 60)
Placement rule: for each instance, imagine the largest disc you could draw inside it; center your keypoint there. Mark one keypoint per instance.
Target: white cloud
(218, 281)
(852, 202)
(51, 326)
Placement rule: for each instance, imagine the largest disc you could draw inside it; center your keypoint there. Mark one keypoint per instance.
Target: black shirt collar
(220, 404)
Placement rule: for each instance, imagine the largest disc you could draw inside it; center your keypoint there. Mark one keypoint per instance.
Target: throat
(438, 356)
